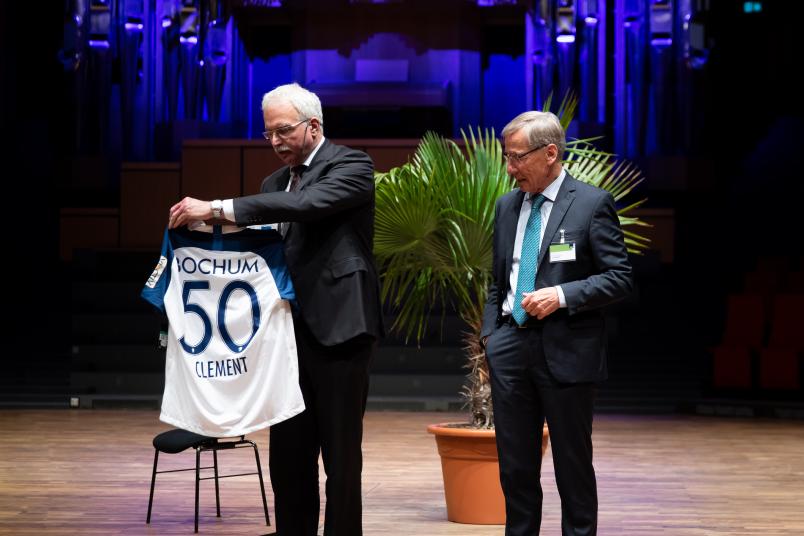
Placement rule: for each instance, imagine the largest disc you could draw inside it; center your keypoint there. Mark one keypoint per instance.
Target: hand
(187, 210)
(540, 303)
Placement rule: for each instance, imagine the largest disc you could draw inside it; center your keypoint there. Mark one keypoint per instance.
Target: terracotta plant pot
(472, 474)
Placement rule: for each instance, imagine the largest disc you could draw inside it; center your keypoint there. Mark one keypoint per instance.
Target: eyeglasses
(517, 158)
(282, 132)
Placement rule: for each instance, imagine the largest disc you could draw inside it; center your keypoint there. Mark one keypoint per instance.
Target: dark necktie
(295, 179)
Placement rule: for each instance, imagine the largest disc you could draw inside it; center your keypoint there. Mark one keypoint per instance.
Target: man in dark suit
(324, 201)
(559, 257)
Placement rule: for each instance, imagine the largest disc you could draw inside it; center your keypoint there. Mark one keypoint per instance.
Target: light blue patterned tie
(526, 280)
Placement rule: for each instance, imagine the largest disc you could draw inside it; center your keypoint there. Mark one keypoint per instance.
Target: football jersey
(231, 365)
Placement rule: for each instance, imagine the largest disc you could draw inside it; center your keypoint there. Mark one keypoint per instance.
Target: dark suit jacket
(328, 247)
(574, 337)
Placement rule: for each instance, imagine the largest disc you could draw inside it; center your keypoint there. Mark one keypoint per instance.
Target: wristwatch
(217, 208)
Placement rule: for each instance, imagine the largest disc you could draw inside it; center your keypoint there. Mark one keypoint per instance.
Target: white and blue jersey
(231, 366)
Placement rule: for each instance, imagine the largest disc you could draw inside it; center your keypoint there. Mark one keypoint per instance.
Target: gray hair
(304, 101)
(541, 128)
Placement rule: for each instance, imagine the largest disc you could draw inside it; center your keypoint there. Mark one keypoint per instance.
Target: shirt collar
(551, 192)
(306, 163)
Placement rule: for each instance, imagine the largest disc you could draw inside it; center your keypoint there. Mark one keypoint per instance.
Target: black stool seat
(175, 441)
(178, 440)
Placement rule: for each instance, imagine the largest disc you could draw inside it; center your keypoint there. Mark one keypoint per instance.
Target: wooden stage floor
(88, 472)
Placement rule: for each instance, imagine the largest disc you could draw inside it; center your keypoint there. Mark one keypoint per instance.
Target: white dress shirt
(550, 194)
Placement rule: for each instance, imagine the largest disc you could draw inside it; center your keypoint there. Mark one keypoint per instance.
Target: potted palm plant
(433, 244)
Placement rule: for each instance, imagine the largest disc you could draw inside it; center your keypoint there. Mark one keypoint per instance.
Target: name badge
(564, 252)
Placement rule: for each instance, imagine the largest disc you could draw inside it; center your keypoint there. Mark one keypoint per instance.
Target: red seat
(787, 329)
(779, 362)
(732, 367)
(745, 321)
(768, 276)
(778, 369)
(795, 282)
(743, 333)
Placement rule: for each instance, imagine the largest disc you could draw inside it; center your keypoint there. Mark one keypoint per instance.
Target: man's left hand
(541, 303)
(187, 210)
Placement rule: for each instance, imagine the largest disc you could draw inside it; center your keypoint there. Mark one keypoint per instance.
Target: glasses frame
(517, 158)
(282, 132)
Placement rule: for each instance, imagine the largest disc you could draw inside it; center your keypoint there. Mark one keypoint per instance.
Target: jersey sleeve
(275, 258)
(157, 285)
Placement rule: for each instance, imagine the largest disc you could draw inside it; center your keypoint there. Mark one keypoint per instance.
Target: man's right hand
(187, 210)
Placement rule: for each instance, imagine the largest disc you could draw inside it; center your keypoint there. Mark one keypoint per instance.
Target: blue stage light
(752, 7)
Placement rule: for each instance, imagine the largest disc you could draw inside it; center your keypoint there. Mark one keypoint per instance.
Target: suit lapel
(565, 197)
(276, 181)
(282, 183)
(313, 171)
(510, 217)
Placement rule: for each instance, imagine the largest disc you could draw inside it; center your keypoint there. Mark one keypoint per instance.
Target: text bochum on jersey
(189, 265)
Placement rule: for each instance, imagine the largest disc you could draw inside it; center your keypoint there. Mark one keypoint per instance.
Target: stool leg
(217, 493)
(153, 481)
(197, 481)
(262, 485)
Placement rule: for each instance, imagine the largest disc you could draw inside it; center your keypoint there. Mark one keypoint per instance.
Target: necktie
(295, 178)
(531, 242)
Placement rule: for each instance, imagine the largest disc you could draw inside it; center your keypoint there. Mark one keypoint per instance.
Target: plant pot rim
(449, 429)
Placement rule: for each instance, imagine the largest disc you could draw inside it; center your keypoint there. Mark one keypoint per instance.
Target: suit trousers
(334, 383)
(524, 394)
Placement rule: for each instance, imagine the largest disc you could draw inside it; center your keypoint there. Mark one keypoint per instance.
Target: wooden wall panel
(147, 191)
(385, 153)
(386, 158)
(211, 169)
(259, 161)
(87, 228)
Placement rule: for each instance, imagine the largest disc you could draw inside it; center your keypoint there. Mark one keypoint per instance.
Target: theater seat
(779, 362)
(732, 367)
(778, 369)
(742, 337)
